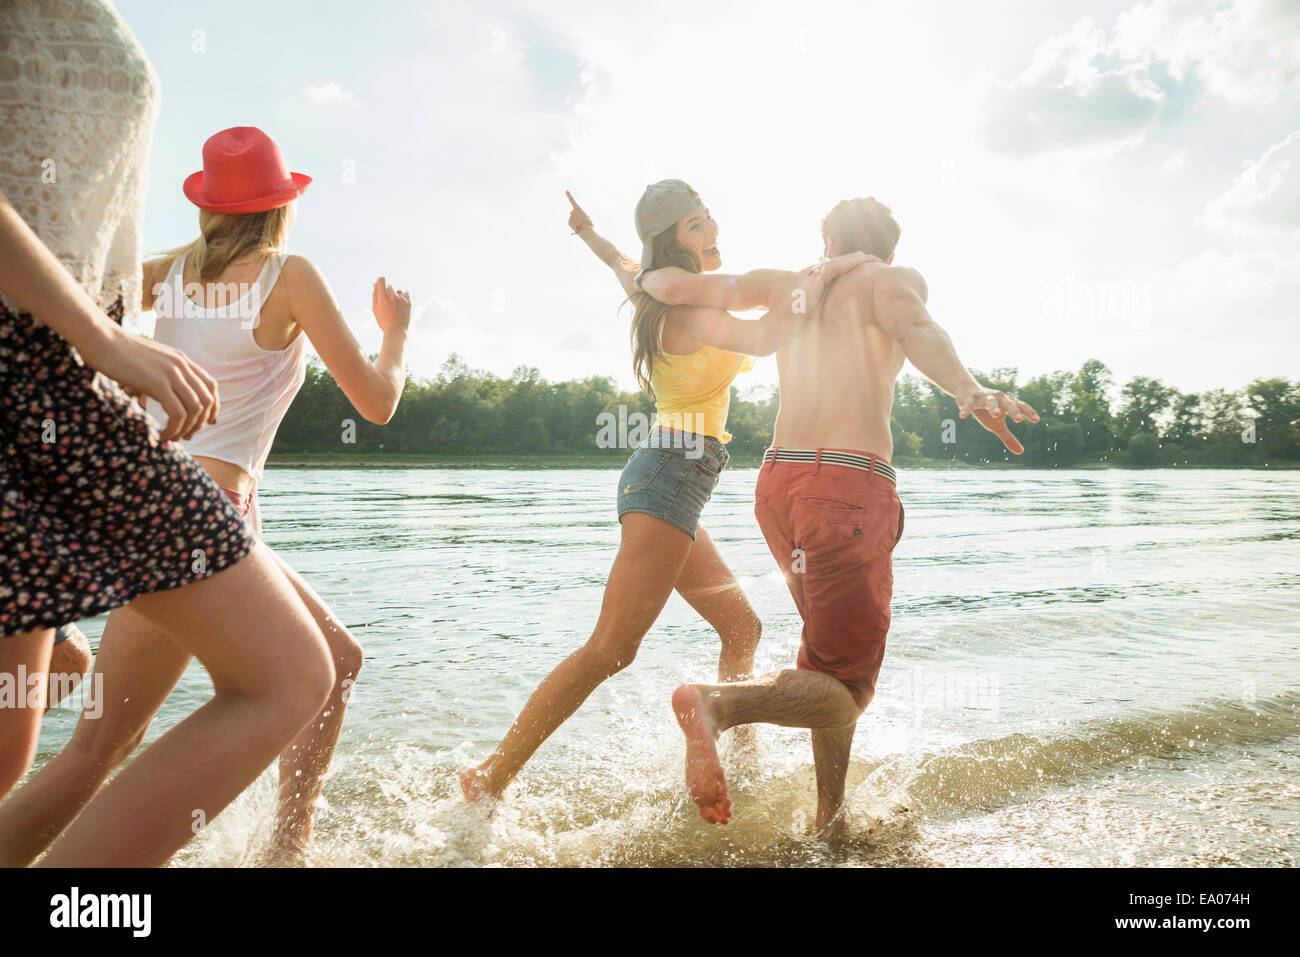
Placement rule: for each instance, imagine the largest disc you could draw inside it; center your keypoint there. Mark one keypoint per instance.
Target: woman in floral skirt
(98, 507)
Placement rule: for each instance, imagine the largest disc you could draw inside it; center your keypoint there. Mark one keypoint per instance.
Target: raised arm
(754, 337)
(898, 297)
(373, 389)
(625, 269)
(31, 276)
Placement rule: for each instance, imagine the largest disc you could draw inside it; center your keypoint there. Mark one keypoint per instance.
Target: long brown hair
(224, 237)
(650, 313)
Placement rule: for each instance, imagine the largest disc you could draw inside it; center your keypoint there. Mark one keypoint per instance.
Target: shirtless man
(826, 496)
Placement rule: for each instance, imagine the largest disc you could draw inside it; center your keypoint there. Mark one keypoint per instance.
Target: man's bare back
(837, 375)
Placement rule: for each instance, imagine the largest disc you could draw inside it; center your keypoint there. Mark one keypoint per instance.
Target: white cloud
(1083, 90)
(1267, 193)
(436, 314)
(1228, 317)
(328, 94)
(1223, 289)
(1245, 51)
(1064, 101)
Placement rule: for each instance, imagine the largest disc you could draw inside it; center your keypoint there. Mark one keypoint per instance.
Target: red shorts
(832, 529)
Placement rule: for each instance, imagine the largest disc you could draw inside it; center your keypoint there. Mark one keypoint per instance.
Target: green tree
(464, 410)
(1090, 406)
(1050, 394)
(921, 409)
(1223, 419)
(1276, 407)
(1144, 449)
(1142, 402)
(1052, 443)
(750, 420)
(1185, 420)
(906, 444)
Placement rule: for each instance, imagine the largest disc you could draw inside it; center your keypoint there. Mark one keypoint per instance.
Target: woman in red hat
(243, 312)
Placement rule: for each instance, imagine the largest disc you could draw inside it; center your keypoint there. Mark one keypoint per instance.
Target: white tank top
(255, 385)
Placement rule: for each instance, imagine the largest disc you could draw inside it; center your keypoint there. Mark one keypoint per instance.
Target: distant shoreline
(369, 460)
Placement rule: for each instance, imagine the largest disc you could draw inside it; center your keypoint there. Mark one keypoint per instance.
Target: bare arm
(753, 337)
(374, 390)
(148, 280)
(898, 297)
(750, 290)
(625, 269)
(32, 277)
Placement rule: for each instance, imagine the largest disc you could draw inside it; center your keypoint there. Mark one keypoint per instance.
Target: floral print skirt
(94, 509)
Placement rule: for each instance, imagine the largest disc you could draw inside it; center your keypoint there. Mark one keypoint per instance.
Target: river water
(1084, 667)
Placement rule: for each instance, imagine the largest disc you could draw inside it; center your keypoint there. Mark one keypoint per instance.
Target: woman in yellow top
(685, 357)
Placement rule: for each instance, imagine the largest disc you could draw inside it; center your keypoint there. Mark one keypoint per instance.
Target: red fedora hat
(243, 172)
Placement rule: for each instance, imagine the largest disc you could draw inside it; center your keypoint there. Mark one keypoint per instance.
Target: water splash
(404, 807)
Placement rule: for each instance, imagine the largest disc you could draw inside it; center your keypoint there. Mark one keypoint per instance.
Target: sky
(1103, 180)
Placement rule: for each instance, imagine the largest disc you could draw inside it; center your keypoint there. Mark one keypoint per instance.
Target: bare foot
(705, 779)
(285, 851)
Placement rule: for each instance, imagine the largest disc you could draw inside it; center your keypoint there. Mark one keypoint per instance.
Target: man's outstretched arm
(899, 295)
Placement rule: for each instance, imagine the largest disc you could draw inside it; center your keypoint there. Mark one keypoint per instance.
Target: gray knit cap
(661, 205)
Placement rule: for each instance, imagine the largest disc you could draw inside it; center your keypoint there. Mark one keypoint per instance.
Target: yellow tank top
(693, 391)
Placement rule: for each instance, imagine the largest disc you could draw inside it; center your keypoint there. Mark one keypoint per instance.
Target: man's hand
(842, 265)
(991, 408)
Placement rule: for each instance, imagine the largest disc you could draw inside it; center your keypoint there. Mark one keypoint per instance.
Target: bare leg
(69, 661)
(22, 656)
(265, 691)
(709, 587)
(649, 562)
(831, 747)
(137, 667)
(793, 698)
(304, 763)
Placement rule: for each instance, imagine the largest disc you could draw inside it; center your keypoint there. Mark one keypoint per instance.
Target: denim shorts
(672, 479)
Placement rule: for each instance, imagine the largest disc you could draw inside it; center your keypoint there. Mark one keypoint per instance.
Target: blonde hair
(225, 237)
(650, 314)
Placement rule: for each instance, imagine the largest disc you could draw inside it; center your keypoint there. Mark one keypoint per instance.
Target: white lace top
(78, 101)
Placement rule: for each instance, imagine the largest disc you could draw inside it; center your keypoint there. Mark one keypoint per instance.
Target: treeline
(463, 410)
(1149, 424)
